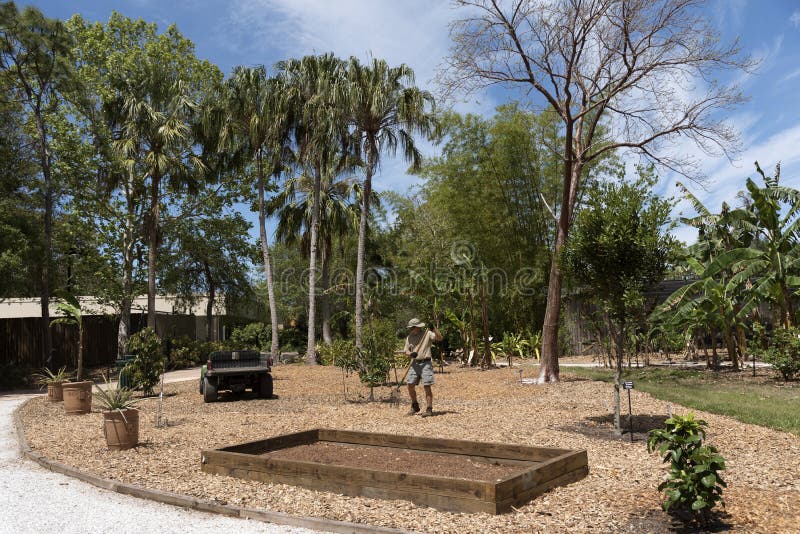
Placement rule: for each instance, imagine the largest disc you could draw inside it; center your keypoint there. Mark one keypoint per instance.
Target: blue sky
(250, 32)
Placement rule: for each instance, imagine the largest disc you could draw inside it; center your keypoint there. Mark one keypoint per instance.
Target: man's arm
(436, 335)
(407, 348)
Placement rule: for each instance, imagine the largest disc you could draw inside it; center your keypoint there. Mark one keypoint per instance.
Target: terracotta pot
(78, 397)
(55, 392)
(121, 428)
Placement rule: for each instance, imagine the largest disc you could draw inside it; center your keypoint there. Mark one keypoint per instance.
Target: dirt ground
(618, 495)
(395, 460)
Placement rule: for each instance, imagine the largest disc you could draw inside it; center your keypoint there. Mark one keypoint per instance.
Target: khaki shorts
(420, 369)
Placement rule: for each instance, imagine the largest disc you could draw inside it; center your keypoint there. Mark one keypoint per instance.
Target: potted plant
(54, 382)
(120, 417)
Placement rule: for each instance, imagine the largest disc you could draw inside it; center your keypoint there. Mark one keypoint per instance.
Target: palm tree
(315, 87)
(337, 218)
(155, 137)
(386, 109)
(258, 116)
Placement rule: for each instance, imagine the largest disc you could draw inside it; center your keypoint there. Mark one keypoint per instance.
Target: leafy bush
(292, 340)
(185, 352)
(339, 353)
(148, 365)
(784, 352)
(694, 482)
(14, 377)
(254, 336)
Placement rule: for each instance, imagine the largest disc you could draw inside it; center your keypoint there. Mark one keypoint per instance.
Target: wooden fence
(21, 342)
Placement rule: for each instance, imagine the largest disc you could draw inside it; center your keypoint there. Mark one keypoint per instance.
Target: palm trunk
(127, 271)
(44, 293)
(311, 353)
(273, 314)
(212, 294)
(362, 239)
(151, 253)
(325, 298)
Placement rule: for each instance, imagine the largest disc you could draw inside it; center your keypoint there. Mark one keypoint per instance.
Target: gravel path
(35, 500)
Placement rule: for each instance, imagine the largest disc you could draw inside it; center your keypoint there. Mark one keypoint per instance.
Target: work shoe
(414, 408)
(428, 412)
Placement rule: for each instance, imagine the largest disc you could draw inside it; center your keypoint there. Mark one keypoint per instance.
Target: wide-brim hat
(415, 323)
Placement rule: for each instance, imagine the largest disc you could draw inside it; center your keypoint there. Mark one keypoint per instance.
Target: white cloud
(727, 179)
(795, 19)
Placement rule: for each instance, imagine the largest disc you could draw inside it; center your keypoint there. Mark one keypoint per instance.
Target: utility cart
(236, 371)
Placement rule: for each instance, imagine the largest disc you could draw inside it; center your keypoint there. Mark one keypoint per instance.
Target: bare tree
(621, 74)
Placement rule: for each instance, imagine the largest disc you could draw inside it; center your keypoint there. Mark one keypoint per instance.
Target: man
(418, 348)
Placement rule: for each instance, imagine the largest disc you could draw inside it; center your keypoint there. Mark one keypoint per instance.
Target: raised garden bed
(446, 474)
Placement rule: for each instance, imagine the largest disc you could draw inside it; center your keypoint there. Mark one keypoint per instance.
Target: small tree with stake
(617, 249)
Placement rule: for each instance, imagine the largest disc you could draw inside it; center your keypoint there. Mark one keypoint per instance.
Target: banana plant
(462, 324)
(71, 314)
(774, 259)
(719, 299)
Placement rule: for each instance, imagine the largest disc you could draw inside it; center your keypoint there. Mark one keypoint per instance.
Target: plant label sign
(627, 385)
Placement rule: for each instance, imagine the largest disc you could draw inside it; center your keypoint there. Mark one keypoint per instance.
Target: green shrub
(784, 352)
(293, 340)
(339, 353)
(185, 352)
(254, 336)
(148, 365)
(14, 377)
(694, 482)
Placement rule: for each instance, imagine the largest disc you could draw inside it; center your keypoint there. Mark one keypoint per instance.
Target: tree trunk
(79, 375)
(127, 270)
(212, 294)
(262, 226)
(362, 239)
(714, 355)
(151, 253)
(487, 346)
(311, 353)
(730, 345)
(47, 194)
(618, 343)
(474, 338)
(548, 368)
(325, 298)
(124, 330)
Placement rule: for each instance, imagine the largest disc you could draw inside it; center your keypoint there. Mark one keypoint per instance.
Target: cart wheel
(201, 384)
(265, 387)
(209, 391)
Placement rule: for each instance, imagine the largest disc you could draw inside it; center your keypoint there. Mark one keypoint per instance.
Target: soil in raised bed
(396, 460)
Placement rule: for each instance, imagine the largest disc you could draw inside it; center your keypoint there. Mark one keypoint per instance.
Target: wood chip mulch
(618, 495)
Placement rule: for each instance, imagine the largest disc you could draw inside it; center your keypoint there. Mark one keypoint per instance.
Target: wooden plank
(272, 444)
(440, 501)
(344, 476)
(517, 485)
(526, 496)
(449, 446)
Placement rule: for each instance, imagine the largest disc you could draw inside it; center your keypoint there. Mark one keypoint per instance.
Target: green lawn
(761, 401)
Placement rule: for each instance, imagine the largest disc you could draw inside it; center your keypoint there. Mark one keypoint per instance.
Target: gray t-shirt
(421, 343)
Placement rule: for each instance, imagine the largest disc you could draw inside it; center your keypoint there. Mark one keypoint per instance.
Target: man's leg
(429, 396)
(412, 392)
